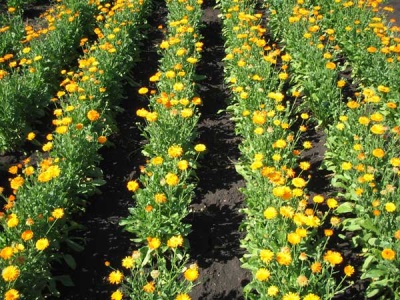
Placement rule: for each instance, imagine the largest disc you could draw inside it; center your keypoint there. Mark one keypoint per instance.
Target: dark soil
(215, 211)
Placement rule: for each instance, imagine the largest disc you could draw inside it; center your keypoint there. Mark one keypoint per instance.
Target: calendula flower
(333, 257)
(311, 297)
(58, 213)
(262, 274)
(6, 253)
(284, 258)
(11, 294)
(200, 148)
(115, 277)
(10, 273)
(12, 220)
(270, 213)
(316, 267)
(291, 296)
(349, 270)
(266, 256)
(149, 287)
(192, 273)
(153, 242)
(17, 182)
(175, 151)
(388, 254)
(175, 241)
(272, 291)
(27, 235)
(390, 207)
(42, 244)
(117, 295)
(183, 297)
(132, 185)
(171, 179)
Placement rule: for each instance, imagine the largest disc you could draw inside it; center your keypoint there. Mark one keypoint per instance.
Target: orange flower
(388, 254)
(93, 115)
(153, 243)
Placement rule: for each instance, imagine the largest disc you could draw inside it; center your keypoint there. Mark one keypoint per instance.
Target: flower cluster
(29, 71)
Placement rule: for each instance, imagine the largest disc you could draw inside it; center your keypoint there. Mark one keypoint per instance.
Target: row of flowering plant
(51, 186)
(29, 77)
(286, 252)
(369, 176)
(159, 268)
(362, 139)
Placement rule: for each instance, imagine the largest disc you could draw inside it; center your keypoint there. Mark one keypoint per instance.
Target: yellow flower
(333, 257)
(293, 238)
(160, 198)
(311, 297)
(191, 274)
(6, 253)
(284, 257)
(12, 220)
(175, 241)
(378, 129)
(149, 287)
(273, 290)
(183, 297)
(42, 244)
(390, 207)
(388, 254)
(58, 213)
(27, 235)
(378, 152)
(143, 90)
(330, 65)
(11, 294)
(299, 182)
(17, 182)
(117, 295)
(266, 255)
(262, 274)
(200, 148)
(93, 115)
(270, 213)
(291, 296)
(132, 185)
(10, 273)
(128, 262)
(115, 277)
(31, 136)
(175, 151)
(349, 270)
(172, 179)
(153, 243)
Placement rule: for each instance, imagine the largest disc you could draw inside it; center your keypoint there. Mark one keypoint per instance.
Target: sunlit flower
(333, 257)
(349, 270)
(133, 185)
(191, 274)
(42, 244)
(149, 287)
(11, 294)
(262, 274)
(10, 273)
(117, 295)
(388, 254)
(153, 243)
(115, 277)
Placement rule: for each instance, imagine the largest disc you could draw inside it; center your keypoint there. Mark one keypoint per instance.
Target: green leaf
(65, 280)
(70, 261)
(345, 207)
(74, 246)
